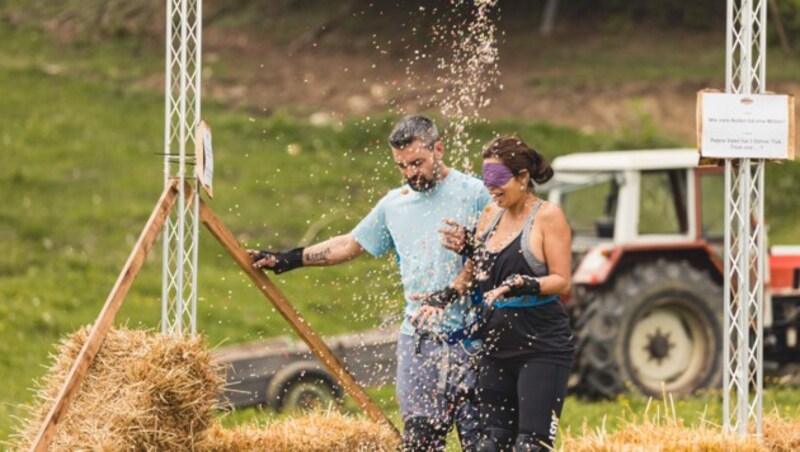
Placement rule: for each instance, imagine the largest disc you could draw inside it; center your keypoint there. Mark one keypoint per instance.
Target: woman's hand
(492, 295)
(522, 285)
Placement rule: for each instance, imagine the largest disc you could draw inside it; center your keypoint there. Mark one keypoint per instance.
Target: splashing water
(451, 64)
(468, 73)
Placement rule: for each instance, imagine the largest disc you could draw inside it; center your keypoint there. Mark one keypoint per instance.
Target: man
(435, 375)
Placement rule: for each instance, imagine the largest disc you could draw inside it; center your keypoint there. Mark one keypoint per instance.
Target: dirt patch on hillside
(245, 70)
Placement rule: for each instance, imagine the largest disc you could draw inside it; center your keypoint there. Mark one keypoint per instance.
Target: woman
(520, 258)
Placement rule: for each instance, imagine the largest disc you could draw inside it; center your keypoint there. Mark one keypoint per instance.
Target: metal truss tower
(745, 243)
(181, 118)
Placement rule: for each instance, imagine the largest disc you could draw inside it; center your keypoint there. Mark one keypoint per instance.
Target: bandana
(496, 174)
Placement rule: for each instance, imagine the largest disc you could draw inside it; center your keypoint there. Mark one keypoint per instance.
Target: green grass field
(80, 174)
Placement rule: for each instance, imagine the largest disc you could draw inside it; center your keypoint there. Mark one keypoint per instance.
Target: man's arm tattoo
(319, 256)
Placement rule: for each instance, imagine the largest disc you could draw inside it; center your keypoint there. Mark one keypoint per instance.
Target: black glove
(441, 298)
(284, 261)
(468, 247)
(530, 286)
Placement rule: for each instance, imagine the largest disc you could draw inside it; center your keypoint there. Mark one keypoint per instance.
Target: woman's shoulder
(548, 209)
(551, 214)
(487, 215)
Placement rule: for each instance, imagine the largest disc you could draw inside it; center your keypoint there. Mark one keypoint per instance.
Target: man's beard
(422, 184)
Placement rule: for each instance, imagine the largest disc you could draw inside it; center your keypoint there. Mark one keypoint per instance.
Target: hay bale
(781, 434)
(649, 436)
(667, 433)
(147, 391)
(319, 431)
(143, 391)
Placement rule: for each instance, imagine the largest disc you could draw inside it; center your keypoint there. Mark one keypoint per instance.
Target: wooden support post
(105, 320)
(285, 308)
(548, 18)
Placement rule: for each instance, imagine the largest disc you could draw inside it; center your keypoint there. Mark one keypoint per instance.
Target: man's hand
(458, 238)
(278, 262)
(427, 315)
(433, 308)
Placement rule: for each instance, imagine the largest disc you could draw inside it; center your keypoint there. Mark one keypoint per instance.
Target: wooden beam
(285, 308)
(106, 319)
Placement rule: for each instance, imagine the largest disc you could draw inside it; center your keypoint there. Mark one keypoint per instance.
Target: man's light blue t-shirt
(408, 222)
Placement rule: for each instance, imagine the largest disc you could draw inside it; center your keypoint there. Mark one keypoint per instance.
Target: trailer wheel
(657, 327)
(308, 395)
(303, 386)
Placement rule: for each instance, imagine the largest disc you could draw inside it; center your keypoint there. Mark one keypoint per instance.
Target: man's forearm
(332, 251)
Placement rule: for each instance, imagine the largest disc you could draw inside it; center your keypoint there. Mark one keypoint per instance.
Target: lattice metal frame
(745, 244)
(181, 117)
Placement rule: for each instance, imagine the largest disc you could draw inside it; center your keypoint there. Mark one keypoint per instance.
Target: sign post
(745, 127)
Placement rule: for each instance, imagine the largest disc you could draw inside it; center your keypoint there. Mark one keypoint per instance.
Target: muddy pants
(436, 389)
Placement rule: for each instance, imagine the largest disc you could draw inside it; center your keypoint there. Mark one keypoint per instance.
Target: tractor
(647, 301)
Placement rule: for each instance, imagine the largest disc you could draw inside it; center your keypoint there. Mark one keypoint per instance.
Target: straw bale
(147, 391)
(667, 433)
(781, 434)
(319, 431)
(662, 438)
(144, 391)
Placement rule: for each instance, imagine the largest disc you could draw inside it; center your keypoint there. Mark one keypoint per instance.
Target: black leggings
(521, 398)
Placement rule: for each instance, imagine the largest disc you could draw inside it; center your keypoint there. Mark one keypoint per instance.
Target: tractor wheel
(657, 327)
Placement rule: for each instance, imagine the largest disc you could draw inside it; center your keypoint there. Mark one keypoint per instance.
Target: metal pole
(742, 295)
(165, 241)
(762, 248)
(182, 115)
(745, 241)
(726, 335)
(198, 68)
(181, 249)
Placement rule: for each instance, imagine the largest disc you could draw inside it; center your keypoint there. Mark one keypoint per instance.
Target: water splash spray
(468, 73)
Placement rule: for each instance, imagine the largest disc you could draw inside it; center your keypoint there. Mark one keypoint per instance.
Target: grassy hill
(80, 174)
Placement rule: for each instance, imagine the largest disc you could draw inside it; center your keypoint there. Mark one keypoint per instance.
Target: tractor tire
(657, 327)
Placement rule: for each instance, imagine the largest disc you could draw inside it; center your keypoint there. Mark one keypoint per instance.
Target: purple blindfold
(496, 174)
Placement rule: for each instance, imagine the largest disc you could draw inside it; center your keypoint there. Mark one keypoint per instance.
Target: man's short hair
(411, 128)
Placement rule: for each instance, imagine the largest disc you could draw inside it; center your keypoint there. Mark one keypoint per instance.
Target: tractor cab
(638, 196)
(639, 201)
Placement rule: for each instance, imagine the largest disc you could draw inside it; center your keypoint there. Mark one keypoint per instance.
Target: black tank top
(540, 331)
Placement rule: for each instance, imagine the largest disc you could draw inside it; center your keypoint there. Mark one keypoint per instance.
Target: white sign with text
(204, 155)
(746, 126)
